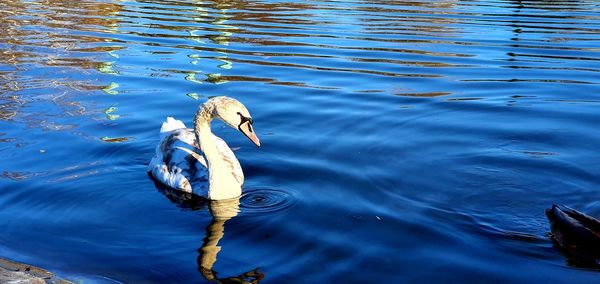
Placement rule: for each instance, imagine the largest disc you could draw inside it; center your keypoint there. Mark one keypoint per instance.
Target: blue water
(403, 141)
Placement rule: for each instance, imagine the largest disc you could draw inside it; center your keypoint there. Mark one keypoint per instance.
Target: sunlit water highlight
(403, 141)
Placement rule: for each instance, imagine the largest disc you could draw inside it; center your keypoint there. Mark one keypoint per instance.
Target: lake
(402, 141)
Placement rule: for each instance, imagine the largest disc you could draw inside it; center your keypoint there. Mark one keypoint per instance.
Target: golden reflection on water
(218, 22)
(221, 211)
(42, 50)
(84, 35)
(78, 34)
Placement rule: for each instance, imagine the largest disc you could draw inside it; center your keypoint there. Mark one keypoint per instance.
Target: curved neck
(222, 182)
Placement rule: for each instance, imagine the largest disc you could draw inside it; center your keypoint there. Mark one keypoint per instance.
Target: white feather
(169, 125)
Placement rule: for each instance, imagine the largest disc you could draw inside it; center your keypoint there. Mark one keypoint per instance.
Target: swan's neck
(222, 182)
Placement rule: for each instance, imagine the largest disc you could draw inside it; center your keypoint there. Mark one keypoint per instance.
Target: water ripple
(392, 121)
(265, 201)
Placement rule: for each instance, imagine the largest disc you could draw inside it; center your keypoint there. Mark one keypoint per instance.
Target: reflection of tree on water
(41, 52)
(528, 23)
(437, 23)
(218, 23)
(221, 212)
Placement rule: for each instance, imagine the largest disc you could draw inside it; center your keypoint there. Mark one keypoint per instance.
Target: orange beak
(247, 129)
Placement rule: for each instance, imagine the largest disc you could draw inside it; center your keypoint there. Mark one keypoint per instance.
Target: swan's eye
(244, 119)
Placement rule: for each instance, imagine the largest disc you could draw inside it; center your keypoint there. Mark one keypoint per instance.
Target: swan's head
(235, 114)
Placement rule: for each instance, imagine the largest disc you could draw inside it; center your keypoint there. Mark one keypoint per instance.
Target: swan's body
(180, 164)
(195, 160)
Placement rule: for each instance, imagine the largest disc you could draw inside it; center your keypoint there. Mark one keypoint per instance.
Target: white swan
(209, 169)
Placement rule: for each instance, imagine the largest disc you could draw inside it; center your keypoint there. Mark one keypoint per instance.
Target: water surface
(403, 141)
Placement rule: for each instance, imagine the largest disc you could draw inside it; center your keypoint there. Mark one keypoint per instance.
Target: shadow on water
(184, 200)
(574, 260)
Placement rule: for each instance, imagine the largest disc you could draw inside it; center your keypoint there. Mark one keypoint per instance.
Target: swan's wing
(230, 160)
(178, 164)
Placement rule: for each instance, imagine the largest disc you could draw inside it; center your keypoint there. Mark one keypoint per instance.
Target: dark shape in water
(577, 233)
(182, 199)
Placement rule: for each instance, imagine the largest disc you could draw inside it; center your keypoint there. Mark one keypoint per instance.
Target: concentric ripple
(265, 201)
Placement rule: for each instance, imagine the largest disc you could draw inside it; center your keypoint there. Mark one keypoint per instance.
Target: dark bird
(577, 233)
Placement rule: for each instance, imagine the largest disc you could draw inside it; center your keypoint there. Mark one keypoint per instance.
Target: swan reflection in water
(221, 211)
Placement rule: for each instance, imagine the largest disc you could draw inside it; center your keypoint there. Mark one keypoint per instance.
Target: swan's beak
(247, 129)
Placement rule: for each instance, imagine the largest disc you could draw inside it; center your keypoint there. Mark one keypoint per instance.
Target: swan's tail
(169, 125)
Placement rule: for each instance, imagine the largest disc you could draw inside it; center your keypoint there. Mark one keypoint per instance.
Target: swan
(196, 161)
(576, 232)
